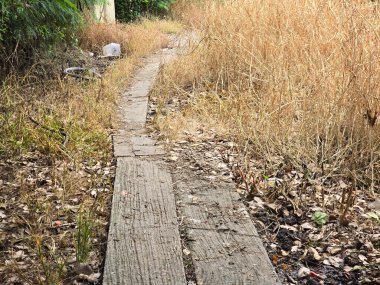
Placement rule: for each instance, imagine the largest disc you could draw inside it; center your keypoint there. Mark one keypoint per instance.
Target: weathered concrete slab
(123, 151)
(147, 150)
(143, 243)
(136, 113)
(143, 194)
(142, 140)
(128, 146)
(145, 256)
(225, 247)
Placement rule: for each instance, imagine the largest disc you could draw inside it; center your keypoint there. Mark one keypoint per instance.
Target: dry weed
(297, 80)
(136, 39)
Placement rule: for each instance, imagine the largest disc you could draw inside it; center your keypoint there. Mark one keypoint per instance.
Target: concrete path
(144, 245)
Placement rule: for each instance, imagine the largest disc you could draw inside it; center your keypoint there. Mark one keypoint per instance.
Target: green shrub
(25, 25)
(129, 10)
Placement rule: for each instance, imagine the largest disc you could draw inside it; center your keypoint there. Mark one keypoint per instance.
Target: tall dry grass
(295, 81)
(136, 39)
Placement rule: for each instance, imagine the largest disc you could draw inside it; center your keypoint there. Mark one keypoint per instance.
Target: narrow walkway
(144, 246)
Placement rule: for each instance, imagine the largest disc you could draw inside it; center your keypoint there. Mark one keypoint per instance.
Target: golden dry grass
(136, 39)
(297, 81)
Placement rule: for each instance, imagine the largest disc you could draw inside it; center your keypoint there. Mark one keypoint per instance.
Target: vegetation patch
(56, 163)
(293, 86)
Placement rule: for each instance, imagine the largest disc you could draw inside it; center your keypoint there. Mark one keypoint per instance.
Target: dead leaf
(333, 249)
(290, 228)
(335, 261)
(307, 226)
(284, 253)
(83, 268)
(186, 251)
(303, 272)
(2, 215)
(315, 253)
(93, 278)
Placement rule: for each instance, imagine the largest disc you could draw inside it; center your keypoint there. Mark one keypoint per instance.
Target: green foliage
(320, 218)
(83, 236)
(35, 23)
(129, 10)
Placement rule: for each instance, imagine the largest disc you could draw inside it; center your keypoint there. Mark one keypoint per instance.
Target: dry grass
(135, 39)
(163, 25)
(297, 81)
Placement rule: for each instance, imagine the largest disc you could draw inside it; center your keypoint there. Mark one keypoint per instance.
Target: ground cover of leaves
(54, 206)
(315, 231)
(40, 202)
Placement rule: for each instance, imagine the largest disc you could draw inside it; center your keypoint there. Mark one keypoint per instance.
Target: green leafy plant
(36, 23)
(129, 10)
(320, 218)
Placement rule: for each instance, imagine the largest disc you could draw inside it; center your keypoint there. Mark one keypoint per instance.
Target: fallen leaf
(333, 250)
(303, 272)
(186, 251)
(294, 248)
(284, 253)
(2, 215)
(93, 278)
(307, 226)
(315, 253)
(373, 216)
(290, 228)
(335, 261)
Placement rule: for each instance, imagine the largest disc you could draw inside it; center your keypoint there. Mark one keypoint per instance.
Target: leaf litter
(40, 200)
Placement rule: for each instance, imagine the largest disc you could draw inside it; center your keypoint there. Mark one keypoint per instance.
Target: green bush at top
(25, 25)
(129, 10)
